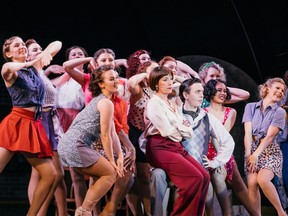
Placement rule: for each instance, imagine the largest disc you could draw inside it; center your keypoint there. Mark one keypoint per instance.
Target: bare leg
(106, 174)
(97, 209)
(33, 181)
(61, 190)
(5, 157)
(59, 181)
(264, 178)
(240, 189)
(120, 189)
(254, 193)
(47, 173)
(80, 187)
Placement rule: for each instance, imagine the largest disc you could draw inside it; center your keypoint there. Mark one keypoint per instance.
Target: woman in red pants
(165, 128)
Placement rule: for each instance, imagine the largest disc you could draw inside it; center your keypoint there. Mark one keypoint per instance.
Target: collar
(259, 105)
(191, 113)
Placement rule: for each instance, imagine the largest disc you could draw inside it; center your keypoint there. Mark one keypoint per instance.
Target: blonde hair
(263, 88)
(203, 70)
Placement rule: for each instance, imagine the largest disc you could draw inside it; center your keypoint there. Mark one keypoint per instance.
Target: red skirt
(19, 132)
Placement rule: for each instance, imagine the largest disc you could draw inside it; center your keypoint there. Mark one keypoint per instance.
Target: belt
(46, 109)
(254, 138)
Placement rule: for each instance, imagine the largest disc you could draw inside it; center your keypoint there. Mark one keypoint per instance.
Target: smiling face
(144, 58)
(15, 50)
(221, 93)
(105, 59)
(172, 65)
(109, 84)
(212, 73)
(276, 91)
(76, 53)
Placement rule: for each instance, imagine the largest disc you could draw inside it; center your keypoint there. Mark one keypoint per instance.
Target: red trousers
(185, 172)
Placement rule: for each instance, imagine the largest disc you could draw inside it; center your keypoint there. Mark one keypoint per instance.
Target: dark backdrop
(252, 35)
(249, 34)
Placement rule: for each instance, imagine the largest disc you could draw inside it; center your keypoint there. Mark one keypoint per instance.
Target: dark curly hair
(96, 78)
(133, 62)
(143, 69)
(210, 89)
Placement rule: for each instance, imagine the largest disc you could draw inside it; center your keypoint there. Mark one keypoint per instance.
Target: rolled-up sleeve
(223, 141)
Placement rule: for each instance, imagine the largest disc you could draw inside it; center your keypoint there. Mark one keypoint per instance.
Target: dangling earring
(156, 87)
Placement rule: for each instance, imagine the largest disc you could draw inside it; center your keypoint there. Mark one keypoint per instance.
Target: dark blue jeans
(282, 184)
(284, 148)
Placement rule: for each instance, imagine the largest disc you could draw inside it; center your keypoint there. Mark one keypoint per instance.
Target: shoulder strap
(226, 113)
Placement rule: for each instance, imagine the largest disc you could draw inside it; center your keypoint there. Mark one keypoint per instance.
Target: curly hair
(133, 62)
(143, 69)
(96, 78)
(203, 70)
(210, 89)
